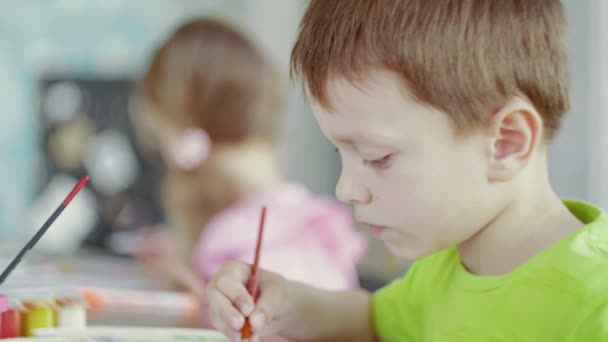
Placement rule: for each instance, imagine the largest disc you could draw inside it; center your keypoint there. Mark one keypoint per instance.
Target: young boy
(443, 112)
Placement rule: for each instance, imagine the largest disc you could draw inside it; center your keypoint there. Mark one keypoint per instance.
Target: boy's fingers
(225, 309)
(268, 328)
(224, 316)
(237, 294)
(270, 304)
(228, 295)
(237, 270)
(265, 309)
(232, 317)
(230, 284)
(224, 329)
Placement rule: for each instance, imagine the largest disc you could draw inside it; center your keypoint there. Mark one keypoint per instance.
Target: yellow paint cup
(36, 315)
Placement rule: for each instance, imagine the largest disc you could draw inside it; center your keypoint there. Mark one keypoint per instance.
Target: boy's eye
(378, 163)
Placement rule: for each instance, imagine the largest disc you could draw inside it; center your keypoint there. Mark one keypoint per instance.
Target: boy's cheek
(401, 210)
(410, 208)
(397, 194)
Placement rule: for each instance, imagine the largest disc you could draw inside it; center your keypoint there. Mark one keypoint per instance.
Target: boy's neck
(531, 222)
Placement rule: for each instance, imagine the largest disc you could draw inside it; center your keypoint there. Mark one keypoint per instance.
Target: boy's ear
(515, 132)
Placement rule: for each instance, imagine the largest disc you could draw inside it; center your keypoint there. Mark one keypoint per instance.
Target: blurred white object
(75, 223)
(111, 162)
(124, 242)
(71, 316)
(62, 102)
(140, 307)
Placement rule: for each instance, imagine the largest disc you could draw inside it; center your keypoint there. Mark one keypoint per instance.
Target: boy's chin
(408, 252)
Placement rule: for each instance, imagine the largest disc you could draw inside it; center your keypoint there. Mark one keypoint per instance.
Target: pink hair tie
(192, 149)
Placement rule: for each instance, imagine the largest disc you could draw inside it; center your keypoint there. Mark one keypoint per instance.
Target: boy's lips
(375, 229)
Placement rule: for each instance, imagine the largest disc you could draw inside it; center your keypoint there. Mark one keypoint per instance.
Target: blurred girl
(209, 104)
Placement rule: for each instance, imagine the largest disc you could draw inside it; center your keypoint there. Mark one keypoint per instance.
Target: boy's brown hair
(464, 57)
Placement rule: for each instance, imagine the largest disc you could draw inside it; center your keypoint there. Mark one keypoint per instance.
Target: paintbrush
(81, 183)
(252, 282)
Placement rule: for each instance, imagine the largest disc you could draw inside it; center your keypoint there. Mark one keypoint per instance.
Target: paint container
(36, 314)
(11, 323)
(70, 313)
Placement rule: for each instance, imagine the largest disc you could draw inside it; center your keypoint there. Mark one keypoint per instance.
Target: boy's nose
(351, 192)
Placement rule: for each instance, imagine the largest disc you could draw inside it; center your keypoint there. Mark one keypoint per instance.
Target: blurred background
(66, 74)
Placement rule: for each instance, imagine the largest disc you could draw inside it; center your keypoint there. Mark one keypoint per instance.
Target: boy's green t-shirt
(559, 295)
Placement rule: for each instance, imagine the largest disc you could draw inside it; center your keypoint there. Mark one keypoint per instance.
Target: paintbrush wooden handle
(252, 282)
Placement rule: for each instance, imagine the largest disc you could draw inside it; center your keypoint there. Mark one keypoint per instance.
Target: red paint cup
(11, 323)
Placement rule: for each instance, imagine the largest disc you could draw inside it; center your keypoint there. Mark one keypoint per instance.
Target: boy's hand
(230, 302)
